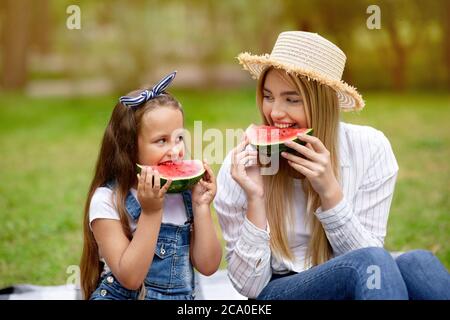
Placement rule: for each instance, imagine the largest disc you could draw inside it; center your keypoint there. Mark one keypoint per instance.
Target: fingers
(206, 188)
(145, 181)
(157, 181)
(241, 146)
(140, 181)
(308, 153)
(165, 187)
(295, 159)
(315, 142)
(245, 154)
(237, 164)
(210, 174)
(249, 160)
(302, 169)
(149, 180)
(205, 184)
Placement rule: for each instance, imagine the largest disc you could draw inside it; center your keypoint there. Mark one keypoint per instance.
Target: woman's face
(282, 105)
(161, 136)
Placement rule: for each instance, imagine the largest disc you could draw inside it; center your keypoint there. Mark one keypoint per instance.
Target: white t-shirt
(299, 239)
(102, 207)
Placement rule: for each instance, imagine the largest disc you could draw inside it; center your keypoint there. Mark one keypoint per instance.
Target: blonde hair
(322, 114)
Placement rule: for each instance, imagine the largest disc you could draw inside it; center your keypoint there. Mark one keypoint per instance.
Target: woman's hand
(149, 192)
(316, 167)
(246, 172)
(204, 191)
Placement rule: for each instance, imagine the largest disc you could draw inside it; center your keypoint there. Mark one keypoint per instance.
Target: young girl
(316, 228)
(139, 242)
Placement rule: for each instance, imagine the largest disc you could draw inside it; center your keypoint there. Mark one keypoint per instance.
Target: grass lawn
(48, 148)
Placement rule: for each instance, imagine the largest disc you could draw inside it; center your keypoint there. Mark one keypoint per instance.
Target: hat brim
(348, 97)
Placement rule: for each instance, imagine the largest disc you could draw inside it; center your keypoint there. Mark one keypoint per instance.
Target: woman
(315, 229)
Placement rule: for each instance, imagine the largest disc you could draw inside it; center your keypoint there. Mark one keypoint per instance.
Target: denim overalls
(171, 275)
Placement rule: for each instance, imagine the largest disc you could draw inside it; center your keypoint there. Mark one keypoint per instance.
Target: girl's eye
(293, 100)
(180, 138)
(161, 141)
(266, 97)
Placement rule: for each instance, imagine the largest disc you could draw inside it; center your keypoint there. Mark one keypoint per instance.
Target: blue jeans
(365, 274)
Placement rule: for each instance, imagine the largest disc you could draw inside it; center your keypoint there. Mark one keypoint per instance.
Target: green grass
(48, 148)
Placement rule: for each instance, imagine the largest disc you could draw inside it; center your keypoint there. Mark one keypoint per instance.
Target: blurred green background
(58, 88)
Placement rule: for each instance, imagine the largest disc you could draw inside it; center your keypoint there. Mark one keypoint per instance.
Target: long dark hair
(116, 162)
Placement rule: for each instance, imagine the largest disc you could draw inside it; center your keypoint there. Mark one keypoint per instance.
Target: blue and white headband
(146, 95)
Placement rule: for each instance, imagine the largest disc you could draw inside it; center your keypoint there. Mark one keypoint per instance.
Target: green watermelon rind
(181, 184)
(266, 148)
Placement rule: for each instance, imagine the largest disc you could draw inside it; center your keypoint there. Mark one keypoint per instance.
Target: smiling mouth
(285, 125)
(167, 162)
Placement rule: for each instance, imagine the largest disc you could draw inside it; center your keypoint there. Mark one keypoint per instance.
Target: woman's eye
(268, 97)
(293, 100)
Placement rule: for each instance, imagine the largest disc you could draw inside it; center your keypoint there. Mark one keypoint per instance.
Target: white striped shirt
(368, 174)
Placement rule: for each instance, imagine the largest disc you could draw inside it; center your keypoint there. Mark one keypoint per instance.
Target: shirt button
(110, 279)
(103, 292)
(163, 251)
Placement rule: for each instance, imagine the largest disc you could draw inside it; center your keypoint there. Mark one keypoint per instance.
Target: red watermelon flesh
(184, 174)
(180, 169)
(270, 135)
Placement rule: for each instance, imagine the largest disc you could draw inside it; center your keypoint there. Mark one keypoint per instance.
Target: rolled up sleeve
(361, 221)
(247, 246)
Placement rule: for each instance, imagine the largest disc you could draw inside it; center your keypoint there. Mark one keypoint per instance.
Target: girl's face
(161, 136)
(282, 105)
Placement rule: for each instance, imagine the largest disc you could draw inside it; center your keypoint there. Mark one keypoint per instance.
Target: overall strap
(187, 199)
(132, 206)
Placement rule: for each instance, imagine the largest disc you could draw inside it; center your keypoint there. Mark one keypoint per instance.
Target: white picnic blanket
(215, 287)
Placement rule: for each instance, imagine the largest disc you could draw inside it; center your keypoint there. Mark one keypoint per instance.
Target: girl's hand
(149, 192)
(247, 176)
(316, 167)
(204, 191)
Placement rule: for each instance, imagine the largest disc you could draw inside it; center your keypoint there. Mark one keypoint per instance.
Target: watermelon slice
(184, 174)
(265, 138)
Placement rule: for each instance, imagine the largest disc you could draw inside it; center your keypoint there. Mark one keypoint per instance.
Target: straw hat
(310, 55)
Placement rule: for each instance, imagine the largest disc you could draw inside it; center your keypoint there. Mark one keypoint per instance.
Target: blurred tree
(15, 39)
(334, 19)
(40, 26)
(128, 42)
(340, 19)
(403, 21)
(444, 18)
